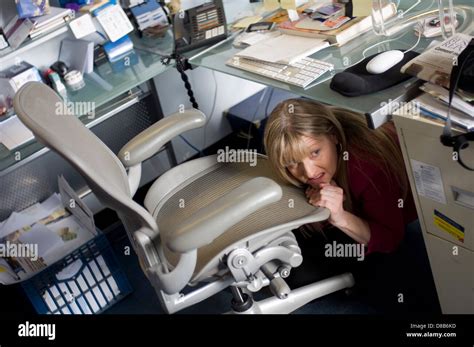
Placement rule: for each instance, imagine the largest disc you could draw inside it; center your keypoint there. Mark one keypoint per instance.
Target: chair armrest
(205, 225)
(149, 141)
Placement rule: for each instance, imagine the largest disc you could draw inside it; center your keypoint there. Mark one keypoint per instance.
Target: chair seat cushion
(222, 178)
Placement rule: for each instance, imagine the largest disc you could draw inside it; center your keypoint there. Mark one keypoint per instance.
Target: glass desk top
(343, 57)
(110, 80)
(107, 82)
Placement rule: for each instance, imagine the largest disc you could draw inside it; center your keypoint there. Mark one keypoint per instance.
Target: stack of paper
(339, 30)
(433, 108)
(27, 217)
(442, 94)
(55, 19)
(283, 49)
(435, 64)
(43, 234)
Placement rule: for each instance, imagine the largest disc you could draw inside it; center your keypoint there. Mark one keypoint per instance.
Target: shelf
(102, 86)
(9, 53)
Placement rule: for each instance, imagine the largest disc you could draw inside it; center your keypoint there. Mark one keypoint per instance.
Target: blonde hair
(294, 118)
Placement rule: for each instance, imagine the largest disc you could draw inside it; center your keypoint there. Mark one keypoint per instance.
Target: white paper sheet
(115, 22)
(83, 235)
(46, 239)
(82, 26)
(428, 181)
(256, 37)
(283, 49)
(34, 213)
(13, 133)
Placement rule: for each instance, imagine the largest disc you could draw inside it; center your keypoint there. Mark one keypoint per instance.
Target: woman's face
(320, 165)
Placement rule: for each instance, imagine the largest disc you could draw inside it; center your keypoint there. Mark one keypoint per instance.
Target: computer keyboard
(301, 73)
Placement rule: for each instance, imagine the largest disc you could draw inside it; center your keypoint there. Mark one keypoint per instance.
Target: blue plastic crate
(87, 281)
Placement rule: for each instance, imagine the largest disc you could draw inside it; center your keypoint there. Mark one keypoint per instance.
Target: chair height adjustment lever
(278, 286)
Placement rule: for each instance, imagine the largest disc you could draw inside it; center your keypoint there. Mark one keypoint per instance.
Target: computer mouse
(384, 61)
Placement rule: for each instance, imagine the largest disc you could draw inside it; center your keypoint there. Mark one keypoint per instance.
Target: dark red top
(375, 198)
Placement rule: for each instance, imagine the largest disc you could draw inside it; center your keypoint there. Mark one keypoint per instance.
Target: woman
(355, 172)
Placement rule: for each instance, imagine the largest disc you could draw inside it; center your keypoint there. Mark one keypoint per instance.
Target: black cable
(181, 67)
(181, 63)
(447, 139)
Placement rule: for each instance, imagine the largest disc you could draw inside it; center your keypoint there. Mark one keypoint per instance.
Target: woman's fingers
(312, 194)
(331, 194)
(314, 198)
(333, 191)
(315, 195)
(327, 196)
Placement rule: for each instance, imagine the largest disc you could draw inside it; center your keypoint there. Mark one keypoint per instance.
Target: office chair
(208, 225)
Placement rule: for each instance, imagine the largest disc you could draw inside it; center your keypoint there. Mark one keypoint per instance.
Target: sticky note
(270, 5)
(361, 8)
(293, 15)
(288, 4)
(82, 26)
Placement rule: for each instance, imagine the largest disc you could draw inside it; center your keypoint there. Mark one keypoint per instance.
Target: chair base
(301, 296)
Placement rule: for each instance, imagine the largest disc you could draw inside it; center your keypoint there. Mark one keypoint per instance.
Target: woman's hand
(331, 196)
(313, 195)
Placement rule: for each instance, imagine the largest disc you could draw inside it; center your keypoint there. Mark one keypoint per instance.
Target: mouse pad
(355, 81)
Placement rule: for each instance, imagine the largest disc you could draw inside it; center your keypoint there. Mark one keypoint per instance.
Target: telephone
(199, 26)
